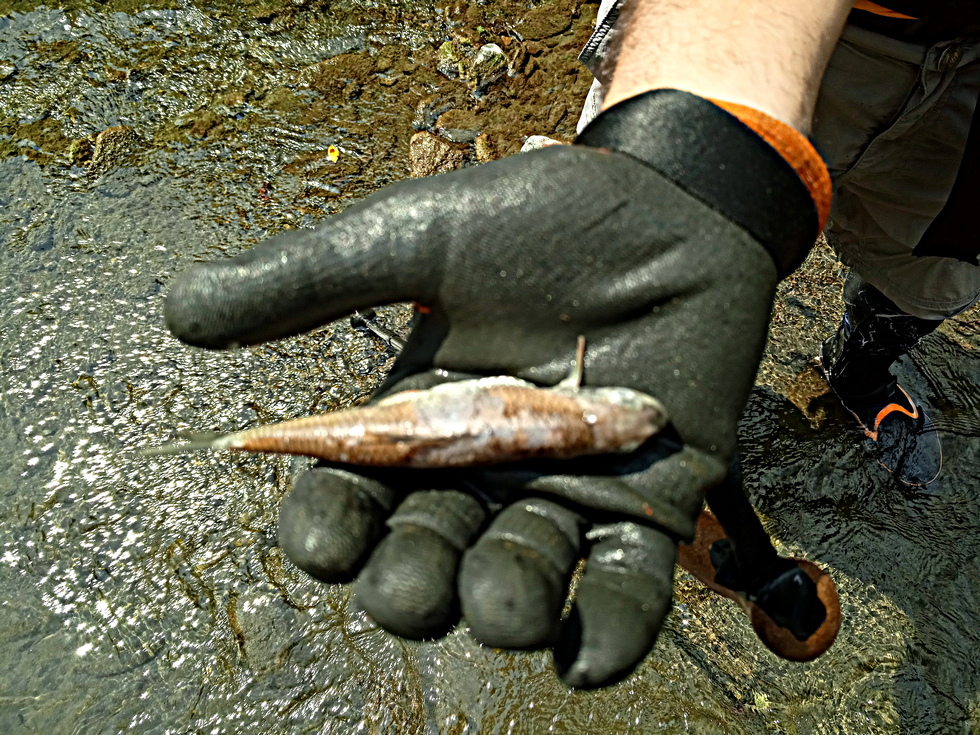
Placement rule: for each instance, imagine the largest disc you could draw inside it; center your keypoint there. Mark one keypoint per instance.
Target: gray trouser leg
(892, 121)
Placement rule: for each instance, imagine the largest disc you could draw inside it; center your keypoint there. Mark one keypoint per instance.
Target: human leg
(893, 122)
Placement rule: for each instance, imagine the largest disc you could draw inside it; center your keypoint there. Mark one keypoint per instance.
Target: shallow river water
(149, 595)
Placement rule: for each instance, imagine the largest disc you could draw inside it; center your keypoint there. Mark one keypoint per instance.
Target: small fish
(462, 424)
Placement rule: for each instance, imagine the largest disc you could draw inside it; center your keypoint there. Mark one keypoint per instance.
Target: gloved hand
(657, 238)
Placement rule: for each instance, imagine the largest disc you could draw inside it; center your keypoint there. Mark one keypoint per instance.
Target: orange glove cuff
(793, 146)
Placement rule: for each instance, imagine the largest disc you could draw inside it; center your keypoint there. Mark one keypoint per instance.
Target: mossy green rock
(489, 65)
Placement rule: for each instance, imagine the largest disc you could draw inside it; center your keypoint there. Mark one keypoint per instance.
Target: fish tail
(204, 440)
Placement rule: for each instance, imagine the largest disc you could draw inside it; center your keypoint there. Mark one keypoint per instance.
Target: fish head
(621, 419)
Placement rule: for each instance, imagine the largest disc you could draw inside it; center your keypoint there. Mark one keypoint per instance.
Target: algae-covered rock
(459, 126)
(112, 146)
(80, 151)
(37, 139)
(449, 60)
(489, 65)
(546, 20)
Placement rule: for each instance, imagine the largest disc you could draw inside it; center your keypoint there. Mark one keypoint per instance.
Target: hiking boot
(856, 360)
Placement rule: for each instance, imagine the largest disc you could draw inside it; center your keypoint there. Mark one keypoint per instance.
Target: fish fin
(574, 380)
(202, 440)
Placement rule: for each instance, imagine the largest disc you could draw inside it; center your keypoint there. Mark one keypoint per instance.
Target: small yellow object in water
(333, 153)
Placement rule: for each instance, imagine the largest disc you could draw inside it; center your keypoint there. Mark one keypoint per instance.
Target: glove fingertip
(607, 635)
(408, 586)
(511, 596)
(185, 312)
(328, 522)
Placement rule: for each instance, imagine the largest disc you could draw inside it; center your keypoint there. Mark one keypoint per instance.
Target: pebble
(429, 154)
(534, 142)
(486, 151)
(112, 146)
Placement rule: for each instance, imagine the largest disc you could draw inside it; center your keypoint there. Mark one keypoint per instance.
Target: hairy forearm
(767, 54)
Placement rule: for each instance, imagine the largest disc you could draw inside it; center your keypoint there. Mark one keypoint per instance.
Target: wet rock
(280, 99)
(534, 48)
(546, 20)
(517, 56)
(261, 622)
(486, 151)
(457, 135)
(113, 74)
(449, 60)
(429, 154)
(201, 123)
(36, 139)
(960, 330)
(810, 393)
(340, 76)
(391, 64)
(458, 126)
(534, 142)
(113, 141)
(112, 147)
(556, 113)
(80, 151)
(264, 11)
(231, 103)
(489, 65)
(428, 111)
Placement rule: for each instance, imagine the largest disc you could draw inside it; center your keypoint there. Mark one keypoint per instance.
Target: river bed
(149, 595)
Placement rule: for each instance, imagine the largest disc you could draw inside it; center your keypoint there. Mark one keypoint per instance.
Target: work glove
(660, 237)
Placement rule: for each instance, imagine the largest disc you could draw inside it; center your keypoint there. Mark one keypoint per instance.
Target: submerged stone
(489, 65)
(449, 60)
(486, 151)
(429, 154)
(112, 146)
